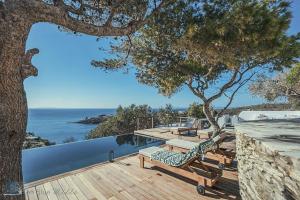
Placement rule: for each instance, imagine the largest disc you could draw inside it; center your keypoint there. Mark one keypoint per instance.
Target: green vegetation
(167, 115)
(195, 110)
(125, 121)
(284, 85)
(116, 125)
(128, 119)
(213, 48)
(293, 77)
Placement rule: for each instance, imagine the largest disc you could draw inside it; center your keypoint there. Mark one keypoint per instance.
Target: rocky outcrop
(265, 170)
(94, 120)
(32, 141)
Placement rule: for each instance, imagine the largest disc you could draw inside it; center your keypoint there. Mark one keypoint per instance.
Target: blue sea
(57, 124)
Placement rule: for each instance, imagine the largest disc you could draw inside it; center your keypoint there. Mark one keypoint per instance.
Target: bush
(125, 121)
(195, 110)
(167, 115)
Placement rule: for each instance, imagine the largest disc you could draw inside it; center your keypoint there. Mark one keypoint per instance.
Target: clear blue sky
(66, 79)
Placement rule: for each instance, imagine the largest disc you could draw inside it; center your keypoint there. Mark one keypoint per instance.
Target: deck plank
(146, 188)
(161, 181)
(126, 185)
(99, 194)
(148, 181)
(69, 192)
(41, 192)
(111, 188)
(83, 187)
(31, 194)
(75, 188)
(96, 182)
(125, 180)
(50, 191)
(139, 180)
(129, 184)
(60, 193)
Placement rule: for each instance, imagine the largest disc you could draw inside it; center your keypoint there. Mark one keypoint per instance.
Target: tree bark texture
(208, 111)
(14, 68)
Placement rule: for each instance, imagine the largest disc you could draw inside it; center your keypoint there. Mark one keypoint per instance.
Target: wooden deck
(124, 179)
(164, 134)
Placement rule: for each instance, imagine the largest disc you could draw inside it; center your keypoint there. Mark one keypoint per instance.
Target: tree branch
(59, 14)
(27, 69)
(227, 85)
(210, 71)
(195, 91)
(233, 94)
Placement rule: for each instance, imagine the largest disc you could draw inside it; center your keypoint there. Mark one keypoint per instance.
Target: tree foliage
(284, 85)
(212, 47)
(167, 115)
(128, 118)
(195, 110)
(125, 121)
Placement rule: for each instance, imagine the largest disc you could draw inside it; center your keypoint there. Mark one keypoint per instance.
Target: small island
(94, 120)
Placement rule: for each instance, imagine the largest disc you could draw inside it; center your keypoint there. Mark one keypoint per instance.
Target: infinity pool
(39, 163)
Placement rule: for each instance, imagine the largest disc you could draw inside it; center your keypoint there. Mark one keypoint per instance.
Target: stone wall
(266, 174)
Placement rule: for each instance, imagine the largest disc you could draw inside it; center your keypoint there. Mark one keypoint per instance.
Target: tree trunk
(208, 111)
(13, 105)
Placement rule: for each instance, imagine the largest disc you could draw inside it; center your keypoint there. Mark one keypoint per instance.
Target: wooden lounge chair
(207, 133)
(223, 156)
(190, 125)
(188, 165)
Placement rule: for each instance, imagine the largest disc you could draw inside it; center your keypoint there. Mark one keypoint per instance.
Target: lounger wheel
(200, 189)
(221, 166)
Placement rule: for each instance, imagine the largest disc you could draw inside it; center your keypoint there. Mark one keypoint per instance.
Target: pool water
(39, 163)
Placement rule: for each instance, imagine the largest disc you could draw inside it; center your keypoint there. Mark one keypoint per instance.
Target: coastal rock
(32, 141)
(94, 120)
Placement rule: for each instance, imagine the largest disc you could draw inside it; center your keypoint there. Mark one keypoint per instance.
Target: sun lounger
(180, 130)
(205, 132)
(188, 165)
(223, 156)
(190, 125)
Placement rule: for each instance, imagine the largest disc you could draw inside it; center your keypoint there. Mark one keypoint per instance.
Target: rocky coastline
(32, 141)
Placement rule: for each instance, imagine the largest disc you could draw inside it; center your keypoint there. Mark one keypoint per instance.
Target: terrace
(124, 179)
(267, 154)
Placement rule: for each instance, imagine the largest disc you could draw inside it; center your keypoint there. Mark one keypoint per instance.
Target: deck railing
(145, 123)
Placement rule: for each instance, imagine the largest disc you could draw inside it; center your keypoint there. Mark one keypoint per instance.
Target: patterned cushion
(178, 159)
(150, 150)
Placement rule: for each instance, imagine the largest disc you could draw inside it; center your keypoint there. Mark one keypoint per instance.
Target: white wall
(260, 115)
